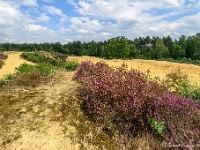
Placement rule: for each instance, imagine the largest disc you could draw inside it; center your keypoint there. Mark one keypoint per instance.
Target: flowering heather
(129, 99)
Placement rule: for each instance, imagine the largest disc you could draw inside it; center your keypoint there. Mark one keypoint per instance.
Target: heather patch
(129, 102)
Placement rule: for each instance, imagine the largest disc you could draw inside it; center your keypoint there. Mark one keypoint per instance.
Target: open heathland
(51, 106)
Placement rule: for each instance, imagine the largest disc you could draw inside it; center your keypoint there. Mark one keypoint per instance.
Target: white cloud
(8, 14)
(43, 17)
(55, 11)
(123, 10)
(22, 26)
(85, 25)
(134, 18)
(34, 21)
(48, 1)
(34, 27)
(28, 2)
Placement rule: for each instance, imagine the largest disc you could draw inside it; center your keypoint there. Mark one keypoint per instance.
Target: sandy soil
(33, 119)
(157, 68)
(13, 61)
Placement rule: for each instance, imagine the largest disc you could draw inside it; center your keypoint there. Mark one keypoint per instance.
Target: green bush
(46, 68)
(71, 65)
(56, 62)
(23, 68)
(33, 57)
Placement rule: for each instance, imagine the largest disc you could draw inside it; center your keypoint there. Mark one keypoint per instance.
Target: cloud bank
(67, 20)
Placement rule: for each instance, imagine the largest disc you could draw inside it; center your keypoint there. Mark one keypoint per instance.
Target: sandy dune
(157, 68)
(13, 61)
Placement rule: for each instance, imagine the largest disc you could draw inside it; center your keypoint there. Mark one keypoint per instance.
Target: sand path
(34, 119)
(13, 61)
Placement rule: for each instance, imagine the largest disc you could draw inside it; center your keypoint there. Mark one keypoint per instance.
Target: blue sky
(85, 20)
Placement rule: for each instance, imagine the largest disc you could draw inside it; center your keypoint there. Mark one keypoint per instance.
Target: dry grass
(31, 118)
(157, 68)
(48, 116)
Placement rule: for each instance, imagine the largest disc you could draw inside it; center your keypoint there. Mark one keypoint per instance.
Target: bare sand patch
(33, 119)
(12, 62)
(157, 68)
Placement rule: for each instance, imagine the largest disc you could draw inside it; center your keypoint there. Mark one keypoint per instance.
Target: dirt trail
(13, 61)
(34, 119)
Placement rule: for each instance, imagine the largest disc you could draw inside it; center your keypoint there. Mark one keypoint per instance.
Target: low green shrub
(33, 57)
(46, 68)
(23, 68)
(71, 65)
(58, 61)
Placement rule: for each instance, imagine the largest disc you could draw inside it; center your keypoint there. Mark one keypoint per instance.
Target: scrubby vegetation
(129, 102)
(1, 64)
(30, 74)
(179, 82)
(2, 57)
(57, 60)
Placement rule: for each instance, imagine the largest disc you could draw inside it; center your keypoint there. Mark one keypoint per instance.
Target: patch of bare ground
(32, 118)
(11, 63)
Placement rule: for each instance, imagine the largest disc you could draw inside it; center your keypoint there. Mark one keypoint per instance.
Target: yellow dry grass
(157, 68)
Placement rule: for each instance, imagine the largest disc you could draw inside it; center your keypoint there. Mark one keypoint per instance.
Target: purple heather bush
(129, 99)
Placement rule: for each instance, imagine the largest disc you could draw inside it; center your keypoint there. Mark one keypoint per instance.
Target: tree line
(185, 47)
